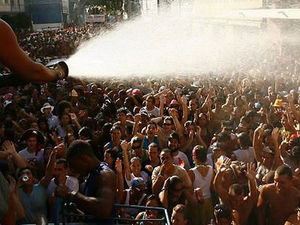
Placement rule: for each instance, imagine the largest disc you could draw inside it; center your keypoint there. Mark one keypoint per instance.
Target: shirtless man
(294, 219)
(98, 196)
(12, 56)
(279, 200)
(234, 198)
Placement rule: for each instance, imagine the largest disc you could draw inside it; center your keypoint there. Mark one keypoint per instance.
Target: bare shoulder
(291, 220)
(106, 179)
(267, 189)
(5, 31)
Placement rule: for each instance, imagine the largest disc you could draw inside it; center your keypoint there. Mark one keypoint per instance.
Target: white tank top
(203, 182)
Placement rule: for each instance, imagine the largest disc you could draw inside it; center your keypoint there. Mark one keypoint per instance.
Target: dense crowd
(211, 149)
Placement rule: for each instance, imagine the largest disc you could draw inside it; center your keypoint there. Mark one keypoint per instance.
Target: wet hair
(174, 135)
(182, 209)
(152, 98)
(189, 123)
(62, 161)
(136, 139)
(200, 153)
(222, 211)
(153, 197)
(295, 142)
(132, 160)
(166, 150)
(169, 118)
(151, 123)
(115, 128)
(85, 132)
(62, 106)
(22, 169)
(244, 139)
(236, 189)
(223, 137)
(122, 110)
(78, 148)
(174, 180)
(153, 145)
(284, 170)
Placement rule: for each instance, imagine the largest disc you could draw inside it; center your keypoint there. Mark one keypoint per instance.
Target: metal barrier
(119, 220)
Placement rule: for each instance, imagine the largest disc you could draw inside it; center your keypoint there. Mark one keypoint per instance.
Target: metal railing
(164, 220)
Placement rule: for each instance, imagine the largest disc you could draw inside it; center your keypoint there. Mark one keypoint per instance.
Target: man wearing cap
(33, 153)
(12, 56)
(52, 120)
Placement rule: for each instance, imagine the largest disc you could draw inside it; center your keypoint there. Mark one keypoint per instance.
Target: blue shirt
(35, 203)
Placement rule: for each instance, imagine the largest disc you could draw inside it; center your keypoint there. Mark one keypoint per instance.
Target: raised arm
(257, 143)
(120, 181)
(199, 139)
(124, 146)
(178, 125)
(261, 207)
(49, 169)
(219, 188)
(251, 173)
(275, 138)
(9, 148)
(158, 179)
(293, 108)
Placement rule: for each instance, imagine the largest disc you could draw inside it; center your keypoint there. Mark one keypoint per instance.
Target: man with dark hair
(150, 107)
(166, 170)
(280, 197)
(245, 152)
(99, 192)
(180, 158)
(239, 204)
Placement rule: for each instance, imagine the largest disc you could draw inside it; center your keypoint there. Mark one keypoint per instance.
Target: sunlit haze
(171, 41)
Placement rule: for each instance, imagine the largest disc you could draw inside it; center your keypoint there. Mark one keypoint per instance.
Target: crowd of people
(211, 149)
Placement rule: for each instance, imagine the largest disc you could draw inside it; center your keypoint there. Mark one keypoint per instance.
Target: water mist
(168, 41)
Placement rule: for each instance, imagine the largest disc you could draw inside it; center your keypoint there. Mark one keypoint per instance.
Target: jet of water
(166, 42)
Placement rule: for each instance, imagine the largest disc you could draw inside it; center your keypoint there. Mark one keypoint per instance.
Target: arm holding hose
(24, 69)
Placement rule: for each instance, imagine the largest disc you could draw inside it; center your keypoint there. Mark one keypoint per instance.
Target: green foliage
(110, 5)
(18, 21)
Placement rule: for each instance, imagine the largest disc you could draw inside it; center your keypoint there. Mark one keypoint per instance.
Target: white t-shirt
(144, 175)
(71, 182)
(154, 112)
(245, 155)
(32, 158)
(184, 158)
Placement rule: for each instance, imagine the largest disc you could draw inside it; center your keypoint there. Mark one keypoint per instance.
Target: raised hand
(118, 166)
(198, 130)
(9, 147)
(137, 118)
(290, 98)
(275, 134)
(124, 145)
(251, 171)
